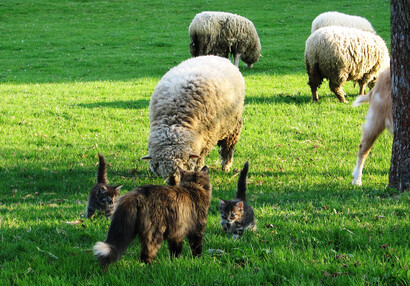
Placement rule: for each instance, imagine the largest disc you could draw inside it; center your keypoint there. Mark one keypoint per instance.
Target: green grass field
(76, 79)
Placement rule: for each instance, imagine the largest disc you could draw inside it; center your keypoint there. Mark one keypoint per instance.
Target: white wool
(194, 105)
(340, 19)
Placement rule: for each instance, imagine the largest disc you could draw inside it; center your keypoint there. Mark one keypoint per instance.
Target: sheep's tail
(102, 170)
(122, 231)
(241, 190)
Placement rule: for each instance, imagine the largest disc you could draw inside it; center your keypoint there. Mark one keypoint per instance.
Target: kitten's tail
(122, 231)
(241, 190)
(102, 170)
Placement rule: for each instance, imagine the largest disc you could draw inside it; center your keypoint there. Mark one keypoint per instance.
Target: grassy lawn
(76, 78)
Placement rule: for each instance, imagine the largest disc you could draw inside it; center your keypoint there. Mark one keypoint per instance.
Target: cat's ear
(221, 203)
(205, 169)
(118, 188)
(239, 205)
(147, 157)
(103, 189)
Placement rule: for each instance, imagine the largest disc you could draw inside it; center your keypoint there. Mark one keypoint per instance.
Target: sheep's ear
(193, 156)
(147, 157)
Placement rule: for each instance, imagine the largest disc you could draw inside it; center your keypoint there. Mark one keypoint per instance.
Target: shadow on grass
(278, 98)
(128, 104)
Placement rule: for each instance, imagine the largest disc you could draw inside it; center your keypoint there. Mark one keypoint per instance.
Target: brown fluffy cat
(102, 196)
(157, 213)
(237, 215)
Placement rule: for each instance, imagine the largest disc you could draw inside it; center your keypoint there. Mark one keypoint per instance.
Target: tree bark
(400, 90)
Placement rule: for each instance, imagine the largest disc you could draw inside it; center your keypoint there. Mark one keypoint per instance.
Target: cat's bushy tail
(122, 231)
(241, 190)
(102, 170)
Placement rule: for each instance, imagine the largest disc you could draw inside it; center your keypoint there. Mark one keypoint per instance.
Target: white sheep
(195, 106)
(221, 34)
(340, 19)
(340, 54)
(379, 117)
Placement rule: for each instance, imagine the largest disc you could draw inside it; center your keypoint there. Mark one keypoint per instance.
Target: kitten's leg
(227, 147)
(175, 247)
(195, 243)
(238, 233)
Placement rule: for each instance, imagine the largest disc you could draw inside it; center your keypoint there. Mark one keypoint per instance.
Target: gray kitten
(102, 196)
(237, 215)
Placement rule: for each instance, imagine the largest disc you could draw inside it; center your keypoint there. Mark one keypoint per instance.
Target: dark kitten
(237, 215)
(157, 213)
(102, 196)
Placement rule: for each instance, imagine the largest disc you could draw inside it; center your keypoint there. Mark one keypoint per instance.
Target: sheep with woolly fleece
(379, 117)
(195, 106)
(221, 34)
(340, 19)
(340, 54)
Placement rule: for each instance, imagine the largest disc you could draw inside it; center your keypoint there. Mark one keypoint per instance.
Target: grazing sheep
(379, 117)
(340, 19)
(221, 34)
(195, 105)
(341, 54)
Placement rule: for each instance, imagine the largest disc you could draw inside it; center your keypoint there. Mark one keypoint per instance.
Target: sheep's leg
(315, 81)
(362, 88)
(338, 91)
(227, 147)
(371, 130)
(236, 58)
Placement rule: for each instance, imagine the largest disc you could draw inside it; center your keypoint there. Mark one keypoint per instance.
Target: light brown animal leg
(371, 130)
(149, 247)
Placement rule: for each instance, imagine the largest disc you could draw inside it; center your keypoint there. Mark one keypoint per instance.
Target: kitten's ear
(221, 203)
(147, 157)
(118, 188)
(103, 189)
(239, 205)
(205, 169)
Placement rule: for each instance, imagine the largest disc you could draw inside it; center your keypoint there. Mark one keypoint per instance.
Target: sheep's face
(250, 59)
(168, 168)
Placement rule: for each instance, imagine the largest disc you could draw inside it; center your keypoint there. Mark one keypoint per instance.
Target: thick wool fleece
(196, 105)
(340, 19)
(341, 54)
(220, 33)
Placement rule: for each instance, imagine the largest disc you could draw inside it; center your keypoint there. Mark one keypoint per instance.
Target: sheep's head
(251, 57)
(168, 168)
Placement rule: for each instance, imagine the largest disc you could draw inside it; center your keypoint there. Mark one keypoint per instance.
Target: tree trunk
(400, 90)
